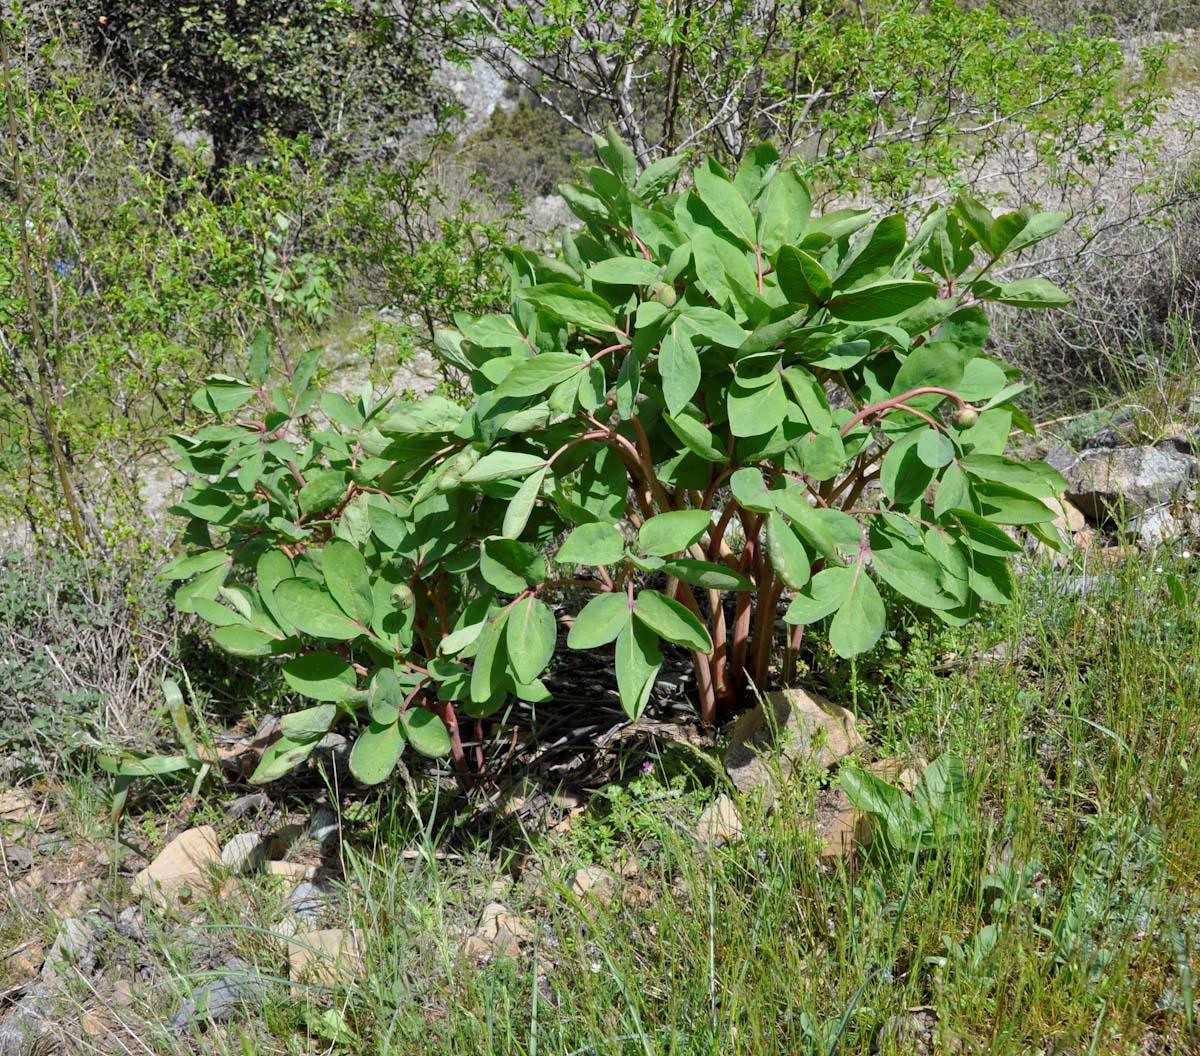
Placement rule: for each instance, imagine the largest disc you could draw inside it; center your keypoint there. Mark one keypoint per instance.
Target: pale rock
(841, 827)
(1105, 485)
(1154, 527)
(292, 870)
(903, 774)
(244, 853)
(17, 805)
(719, 824)
(1068, 518)
(807, 730)
(592, 881)
(74, 948)
(183, 864)
(503, 930)
(329, 956)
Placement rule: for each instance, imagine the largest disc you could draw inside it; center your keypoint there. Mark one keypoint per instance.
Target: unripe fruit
(664, 294)
(966, 417)
(402, 596)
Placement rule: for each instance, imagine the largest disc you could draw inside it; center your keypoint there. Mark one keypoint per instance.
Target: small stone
(292, 870)
(237, 985)
(326, 828)
(475, 948)
(182, 866)
(74, 948)
(1068, 518)
(17, 805)
(1154, 527)
(23, 1029)
(594, 882)
(719, 824)
(807, 730)
(899, 772)
(308, 901)
(841, 826)
(332, 755)
(503, 930)
(244, 853)
(122, 993)
(329, 956)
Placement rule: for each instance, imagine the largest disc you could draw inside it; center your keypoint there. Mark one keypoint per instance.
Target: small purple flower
(647, 767)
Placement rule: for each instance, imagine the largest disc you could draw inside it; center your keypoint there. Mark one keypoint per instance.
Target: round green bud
(664, 294)
(966, 417)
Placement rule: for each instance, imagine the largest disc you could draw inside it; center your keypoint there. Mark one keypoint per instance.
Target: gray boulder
(1108, 485)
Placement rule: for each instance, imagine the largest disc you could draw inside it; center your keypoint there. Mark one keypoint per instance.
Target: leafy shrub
(693, 363)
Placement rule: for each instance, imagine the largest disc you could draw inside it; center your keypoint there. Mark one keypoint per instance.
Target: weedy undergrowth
(708, 396)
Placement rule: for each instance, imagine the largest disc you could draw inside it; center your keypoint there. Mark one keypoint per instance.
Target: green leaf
(935, 448)
(783, 211)
(1003, 504)
(491, 660)
(953, 492)
(912, 573)
(244, 641)
(625, 271)
(531, 632)
(599, 622)
(695, 437)
(679, 366)
(874, 257)
(1040, 226)
(658, 176)
(592, 544)
(521, 505)
(385, 697)
(426, 732)
(571, 304)
(861, 620)
(672, 620)
(503, 465)
(320, 676)
(432, 414)
(937, 363)
(510, 566)
(722, 268)
(312, 611)
(825, 594)
(143, 765)
(637, 662)
(222, 394)
(532, 377)
(322, 491)
(750, 491)
(706, 574)
(346, 578)
(758, 410)
(903, 476)
(193, 564)
(788, 556)
(282, 756)
(801, 278)
(882, 300)
(669, 533)
(308, 724)
(726, 204)
(376, 752)
(1028, 293)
